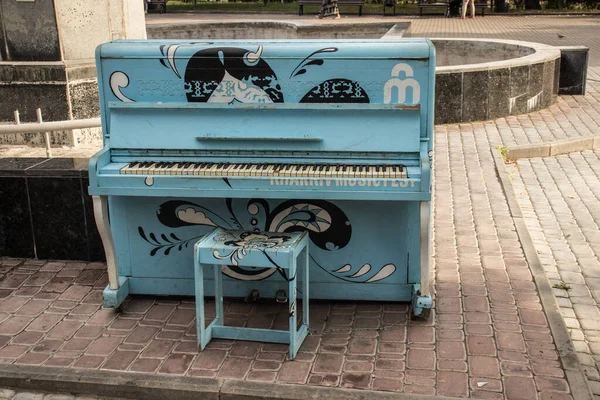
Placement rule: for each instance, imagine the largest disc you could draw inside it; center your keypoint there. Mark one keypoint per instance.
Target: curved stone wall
(269, 30)
(498, 87)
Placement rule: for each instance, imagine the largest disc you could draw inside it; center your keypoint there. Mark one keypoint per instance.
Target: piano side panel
(359, 250)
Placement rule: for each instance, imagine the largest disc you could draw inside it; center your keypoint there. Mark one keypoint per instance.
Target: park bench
(302, 3)
(158, 4)
(445, 5)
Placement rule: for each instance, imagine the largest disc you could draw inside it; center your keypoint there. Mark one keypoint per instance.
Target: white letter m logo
(401, 85)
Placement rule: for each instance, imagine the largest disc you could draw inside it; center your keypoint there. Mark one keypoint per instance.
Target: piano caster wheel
(281, 296)
(253, 296)
(425, 313)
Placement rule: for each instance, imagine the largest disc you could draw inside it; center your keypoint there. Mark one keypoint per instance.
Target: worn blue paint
(153, 110)
(421, 305)
(114, 298)
(257, 250)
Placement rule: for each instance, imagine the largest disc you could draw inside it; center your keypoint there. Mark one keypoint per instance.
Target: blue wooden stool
(251, 249)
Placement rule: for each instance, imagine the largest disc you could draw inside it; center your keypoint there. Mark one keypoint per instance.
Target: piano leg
(118, 287)
(421, 300)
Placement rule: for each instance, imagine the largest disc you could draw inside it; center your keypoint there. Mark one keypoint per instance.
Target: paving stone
(362, 346)
(554, 384)
(356, 380)
(148, 365)
(89, 362)
(263, 376)
(104, 346)
(519, 388)
(176, 364)
(14, 325)
(480, 345)
(452, 384)
(120, 360)
(421, 359)
(389, 385)
(157, 349)
(294, 372)
(451, 351)
(328, 363)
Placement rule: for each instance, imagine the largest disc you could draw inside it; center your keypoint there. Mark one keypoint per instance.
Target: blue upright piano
(332, 137)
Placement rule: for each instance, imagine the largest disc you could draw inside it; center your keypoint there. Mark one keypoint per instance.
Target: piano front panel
(357, 251)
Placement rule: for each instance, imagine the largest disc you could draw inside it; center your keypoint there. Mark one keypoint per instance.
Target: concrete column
(47, 50)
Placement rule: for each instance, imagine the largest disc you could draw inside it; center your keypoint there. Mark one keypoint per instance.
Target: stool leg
(219, 296)
(199, 283)
(293, 308)
(305, 295)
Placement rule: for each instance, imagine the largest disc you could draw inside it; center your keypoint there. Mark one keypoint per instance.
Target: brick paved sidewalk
(484, 337)
(560, 197)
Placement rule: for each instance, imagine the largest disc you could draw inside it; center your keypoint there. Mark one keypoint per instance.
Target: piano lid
(413, 48)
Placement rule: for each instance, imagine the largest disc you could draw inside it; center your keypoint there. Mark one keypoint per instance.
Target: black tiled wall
(45, 211)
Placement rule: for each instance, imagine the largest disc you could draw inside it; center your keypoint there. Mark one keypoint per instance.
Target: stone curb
(161, 387)
(568, 357)
(555, 148)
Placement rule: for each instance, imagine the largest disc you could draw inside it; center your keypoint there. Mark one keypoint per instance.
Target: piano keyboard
(266, 170)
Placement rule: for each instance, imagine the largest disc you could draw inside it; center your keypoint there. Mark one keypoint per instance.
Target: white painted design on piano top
(251, 58)
(401, 86)
(119, 80)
